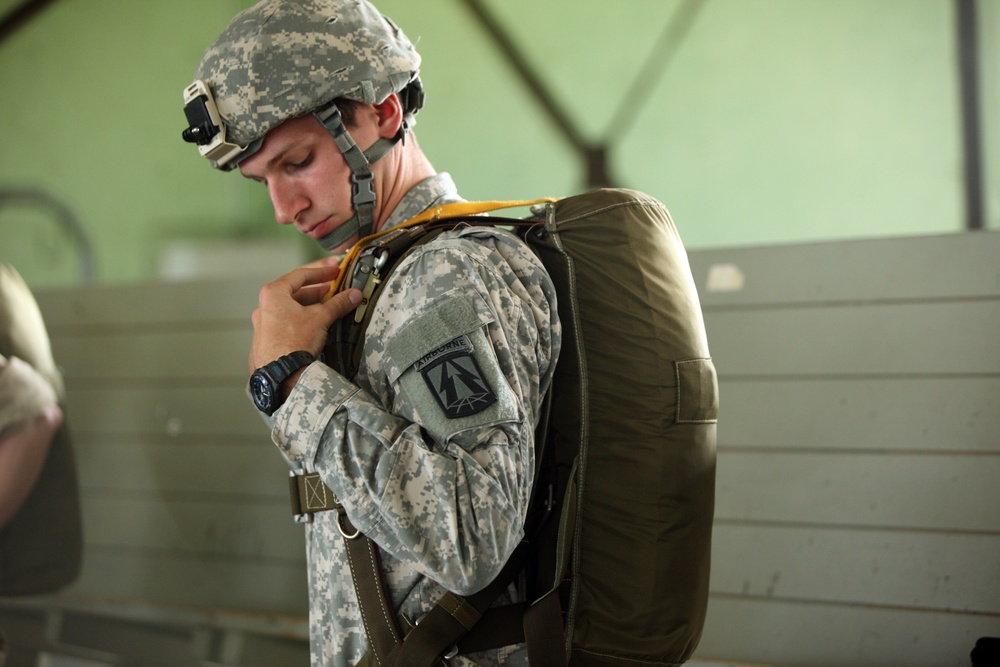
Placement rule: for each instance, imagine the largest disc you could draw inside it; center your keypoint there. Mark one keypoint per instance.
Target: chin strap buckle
(363, 189)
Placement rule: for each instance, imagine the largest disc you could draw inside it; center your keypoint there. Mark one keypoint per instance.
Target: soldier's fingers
(343, 303)
(312, 294)
(309, 275)
(331, 260)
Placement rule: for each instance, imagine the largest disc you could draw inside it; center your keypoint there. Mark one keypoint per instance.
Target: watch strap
(284, 366)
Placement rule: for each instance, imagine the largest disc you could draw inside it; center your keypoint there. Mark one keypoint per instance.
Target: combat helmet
(282, 59)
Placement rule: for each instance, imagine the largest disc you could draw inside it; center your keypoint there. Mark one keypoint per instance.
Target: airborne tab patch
(454, 378)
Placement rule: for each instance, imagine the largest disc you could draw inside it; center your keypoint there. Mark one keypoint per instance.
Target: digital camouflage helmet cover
(282, 59)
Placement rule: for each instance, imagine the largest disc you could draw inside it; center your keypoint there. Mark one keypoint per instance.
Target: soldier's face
(306, 174)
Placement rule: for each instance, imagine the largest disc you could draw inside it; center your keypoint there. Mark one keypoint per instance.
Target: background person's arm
(29, 417)
(22, 455)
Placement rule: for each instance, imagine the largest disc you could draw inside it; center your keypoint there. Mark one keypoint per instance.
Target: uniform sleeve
(433, 459)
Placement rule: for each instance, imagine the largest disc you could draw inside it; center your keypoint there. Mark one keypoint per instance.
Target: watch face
(263, 396)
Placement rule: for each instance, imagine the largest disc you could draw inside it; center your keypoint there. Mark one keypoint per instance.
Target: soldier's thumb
(343, 302)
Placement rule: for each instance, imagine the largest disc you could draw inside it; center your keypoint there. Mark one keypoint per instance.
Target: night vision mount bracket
(206, 127)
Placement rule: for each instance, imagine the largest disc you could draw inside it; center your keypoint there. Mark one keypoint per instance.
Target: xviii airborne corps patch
(455, 379)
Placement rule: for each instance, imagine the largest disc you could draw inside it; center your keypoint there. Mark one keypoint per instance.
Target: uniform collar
(432, 191)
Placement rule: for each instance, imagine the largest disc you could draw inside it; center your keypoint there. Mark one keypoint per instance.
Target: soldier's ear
(390, 116)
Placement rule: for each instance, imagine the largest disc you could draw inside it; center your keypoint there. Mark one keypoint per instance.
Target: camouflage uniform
(438, 479)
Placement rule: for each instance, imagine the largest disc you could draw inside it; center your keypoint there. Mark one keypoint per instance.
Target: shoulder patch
(455, 379)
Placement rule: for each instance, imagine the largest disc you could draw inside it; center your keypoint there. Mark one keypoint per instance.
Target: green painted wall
(773, 121)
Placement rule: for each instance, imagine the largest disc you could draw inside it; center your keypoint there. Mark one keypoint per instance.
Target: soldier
(428, 444)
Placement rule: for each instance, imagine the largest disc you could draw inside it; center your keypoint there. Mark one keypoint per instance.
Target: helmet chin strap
(362, 180)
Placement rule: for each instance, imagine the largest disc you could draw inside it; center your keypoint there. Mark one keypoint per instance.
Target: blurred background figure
(40, 527)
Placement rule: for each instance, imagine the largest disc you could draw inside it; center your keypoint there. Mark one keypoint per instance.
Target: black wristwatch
(265, 383)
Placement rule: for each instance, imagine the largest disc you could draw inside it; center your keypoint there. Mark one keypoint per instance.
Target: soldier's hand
(291, 314)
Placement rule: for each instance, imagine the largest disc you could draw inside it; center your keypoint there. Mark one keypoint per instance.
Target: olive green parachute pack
(615, 563)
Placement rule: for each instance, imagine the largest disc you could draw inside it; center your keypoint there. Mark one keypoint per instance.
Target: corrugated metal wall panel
(859, 450)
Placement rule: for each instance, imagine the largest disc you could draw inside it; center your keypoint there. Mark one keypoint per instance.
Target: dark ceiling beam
(594, 155)
(674, 34)
(967, 40)
(528, 75)
(15, 19)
